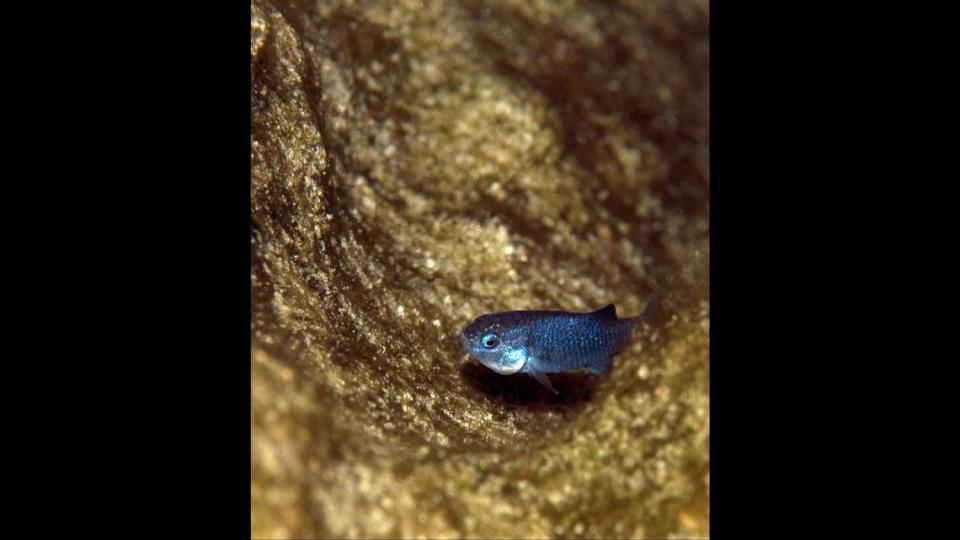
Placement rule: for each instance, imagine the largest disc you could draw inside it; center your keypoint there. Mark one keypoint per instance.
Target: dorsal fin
(608, 311)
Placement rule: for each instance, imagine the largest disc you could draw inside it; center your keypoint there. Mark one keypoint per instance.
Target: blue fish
(541, 342)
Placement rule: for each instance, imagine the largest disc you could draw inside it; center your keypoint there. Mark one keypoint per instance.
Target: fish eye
(490, 341)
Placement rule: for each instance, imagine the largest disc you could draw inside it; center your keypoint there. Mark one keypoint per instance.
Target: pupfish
(541, 342)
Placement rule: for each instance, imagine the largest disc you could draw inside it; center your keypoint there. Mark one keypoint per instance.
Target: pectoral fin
(542, 379)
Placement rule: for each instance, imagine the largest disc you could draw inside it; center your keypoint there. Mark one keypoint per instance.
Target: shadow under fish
(573, 388)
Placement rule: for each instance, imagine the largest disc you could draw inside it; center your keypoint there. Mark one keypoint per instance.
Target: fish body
(541, 342)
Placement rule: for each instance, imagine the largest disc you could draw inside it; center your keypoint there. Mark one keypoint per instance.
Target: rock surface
(416, 164)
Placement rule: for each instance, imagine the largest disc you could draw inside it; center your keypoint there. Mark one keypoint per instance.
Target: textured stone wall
(416, 164)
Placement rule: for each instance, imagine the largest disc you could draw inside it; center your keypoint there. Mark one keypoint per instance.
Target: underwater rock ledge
(418, 163)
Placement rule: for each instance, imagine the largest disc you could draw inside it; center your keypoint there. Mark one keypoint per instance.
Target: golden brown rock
(418, 163)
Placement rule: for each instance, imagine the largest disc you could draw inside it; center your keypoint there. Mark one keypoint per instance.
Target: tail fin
(627, 325)
(652, 306)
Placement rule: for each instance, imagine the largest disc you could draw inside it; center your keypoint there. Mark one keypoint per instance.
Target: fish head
(495, 345)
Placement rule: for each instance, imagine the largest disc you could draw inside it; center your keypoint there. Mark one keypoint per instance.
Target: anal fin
(601, 367)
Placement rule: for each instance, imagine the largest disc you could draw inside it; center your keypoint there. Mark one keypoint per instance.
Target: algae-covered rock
(417, 163)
